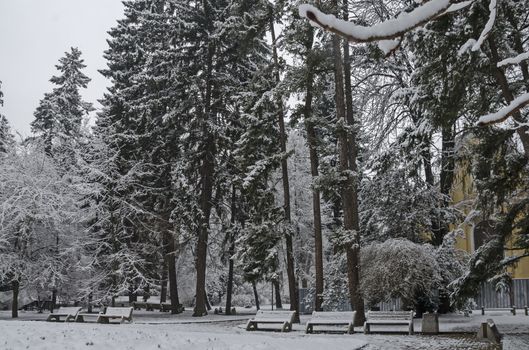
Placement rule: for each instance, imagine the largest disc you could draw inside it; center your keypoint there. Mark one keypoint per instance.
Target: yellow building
(475, 233)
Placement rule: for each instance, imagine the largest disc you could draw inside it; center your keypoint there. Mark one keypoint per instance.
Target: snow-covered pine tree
(126, 227)
(225, 69)
(59, 116)
(6, 138)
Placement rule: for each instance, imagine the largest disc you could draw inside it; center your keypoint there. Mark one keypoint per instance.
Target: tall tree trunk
(348, 190)
(53, 299)
(446, 179)
(291, 272)
(163, 282)
(256, 295)
(314, 164)
(170, 261)
(229, 291)
(89, 307)
(14, 304)
(277, 289)
(131, 292)
(231, 251)
(206, 175)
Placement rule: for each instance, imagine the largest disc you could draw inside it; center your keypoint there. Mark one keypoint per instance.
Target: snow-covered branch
(488, 27)
(387, 30)
(513, 60)
(499, 116)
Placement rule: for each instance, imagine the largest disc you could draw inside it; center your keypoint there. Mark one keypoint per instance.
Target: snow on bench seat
(284, 318)
(68, 312)
(331, 318)
(389, 318)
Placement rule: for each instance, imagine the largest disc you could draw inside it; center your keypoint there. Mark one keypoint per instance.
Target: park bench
(138, 305)
(389, 318)
(320, 318)
(70, 313)
(284, 318)
(512, 309)
(121, 313)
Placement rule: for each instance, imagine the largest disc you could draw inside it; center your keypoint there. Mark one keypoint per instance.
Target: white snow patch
(388, 46)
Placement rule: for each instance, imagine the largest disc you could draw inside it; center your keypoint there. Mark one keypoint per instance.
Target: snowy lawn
(17, 335)
(156, 330)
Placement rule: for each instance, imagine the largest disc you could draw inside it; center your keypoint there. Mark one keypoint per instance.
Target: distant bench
(283, 318)
(389, 318)
(320, 318)
(165, 307)
(68, 312)
(121, 313)
(147, 306)
(511, 309)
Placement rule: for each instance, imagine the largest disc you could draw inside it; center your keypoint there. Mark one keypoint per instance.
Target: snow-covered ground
(156, 330)
(19, 335)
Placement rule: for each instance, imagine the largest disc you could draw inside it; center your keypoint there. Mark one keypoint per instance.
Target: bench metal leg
(251, 326)
(411, 328)
(308, 328)
(79, 319)
(366, 328)
(351, 328)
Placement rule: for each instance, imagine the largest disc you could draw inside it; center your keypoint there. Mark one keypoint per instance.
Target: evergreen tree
(59, 116)
(6, 138)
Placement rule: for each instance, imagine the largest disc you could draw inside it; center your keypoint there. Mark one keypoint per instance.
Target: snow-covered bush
(399, 268)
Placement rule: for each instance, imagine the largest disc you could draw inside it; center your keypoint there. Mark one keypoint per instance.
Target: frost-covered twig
(499, 116)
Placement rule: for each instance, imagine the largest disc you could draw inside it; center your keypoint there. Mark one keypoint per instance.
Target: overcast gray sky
(34, 34)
